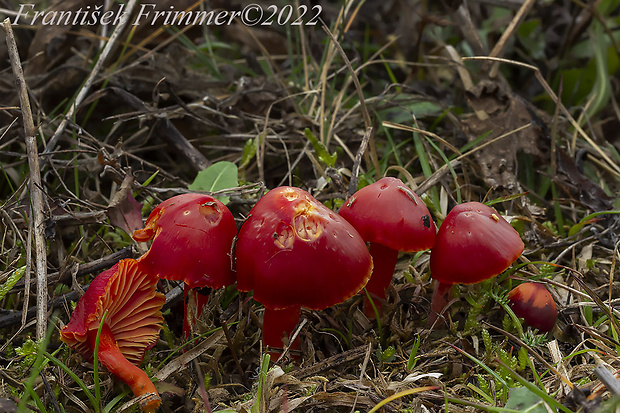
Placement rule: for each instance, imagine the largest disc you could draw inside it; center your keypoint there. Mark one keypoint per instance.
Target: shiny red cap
(294, 251)
(474, 243)
(387, 212)
(192, 240)
(534, 303)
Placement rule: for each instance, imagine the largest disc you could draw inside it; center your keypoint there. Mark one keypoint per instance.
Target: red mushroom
(192, 239)
(131, 325)
(474, 243)
(391, 218)
(294, 252)
(532, 302)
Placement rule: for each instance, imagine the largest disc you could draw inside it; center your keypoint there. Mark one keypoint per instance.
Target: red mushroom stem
(111, 357)
(278, 323)
(439, 301)
(193, 311)
(384, 260)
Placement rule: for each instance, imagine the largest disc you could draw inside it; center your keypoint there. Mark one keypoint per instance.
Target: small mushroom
(192, 239)
(474, 243)
(294, 252)
(391, 218)
(131, 325)
(532, 302)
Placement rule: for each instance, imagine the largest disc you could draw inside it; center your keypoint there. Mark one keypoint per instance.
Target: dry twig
(36, 193)
(91, 78)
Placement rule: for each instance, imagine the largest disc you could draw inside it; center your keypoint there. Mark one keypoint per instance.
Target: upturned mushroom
(533, 302)
(294, 252)
(391, 218)
(192, 240)
(131, 325)
(474, 243)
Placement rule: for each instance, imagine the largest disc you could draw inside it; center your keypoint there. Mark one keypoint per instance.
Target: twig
(9, 318)
(608, 379)
(500, 46)
(163, 128)
(95, 266)
(233, 351)
(36, 193)
(358, 160)
(614, 168)
(358, 88)
(333, 362)
(201, 387)
(91, 78)
(50, 392)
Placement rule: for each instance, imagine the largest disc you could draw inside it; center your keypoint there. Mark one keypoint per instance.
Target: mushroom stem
(194, 304)
(384, 261)
(111, 357)
(278, 323)
(441, 296)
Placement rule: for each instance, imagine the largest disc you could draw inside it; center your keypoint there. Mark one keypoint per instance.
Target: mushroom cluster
(192, 239)
(292, 252)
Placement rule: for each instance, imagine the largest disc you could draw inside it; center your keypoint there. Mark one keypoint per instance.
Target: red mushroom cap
(532, 302)
(474, 243)
(128, 294)
(388, 213)
(192, 239)
(293, 251)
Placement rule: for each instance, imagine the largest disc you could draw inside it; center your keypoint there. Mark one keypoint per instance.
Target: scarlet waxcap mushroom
(295, 252)
(533, 302)
(192, 238)
(131, 325)
(474, 243)
(392, 218)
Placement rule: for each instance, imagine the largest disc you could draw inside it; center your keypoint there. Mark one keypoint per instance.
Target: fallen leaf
(124, 211)
(498, 112)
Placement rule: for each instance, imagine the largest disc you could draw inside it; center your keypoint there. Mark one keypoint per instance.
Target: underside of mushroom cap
(133, 305)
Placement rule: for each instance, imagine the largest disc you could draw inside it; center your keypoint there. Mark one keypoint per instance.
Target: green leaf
(249, 152)
(524, 400)
(219, 176)
(601, 92)
(11, 281)
(320, 149)
(588, 220)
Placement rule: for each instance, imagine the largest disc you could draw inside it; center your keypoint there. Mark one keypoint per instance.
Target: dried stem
(36, 193)
(91, 77)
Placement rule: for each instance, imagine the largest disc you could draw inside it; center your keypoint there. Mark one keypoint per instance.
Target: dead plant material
(497, 112)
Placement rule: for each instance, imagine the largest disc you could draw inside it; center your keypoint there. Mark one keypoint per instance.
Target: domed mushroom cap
(292, 251)
(387, 212)
(474, 243)
(192, 239)
(133, 307)
(534, 303)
